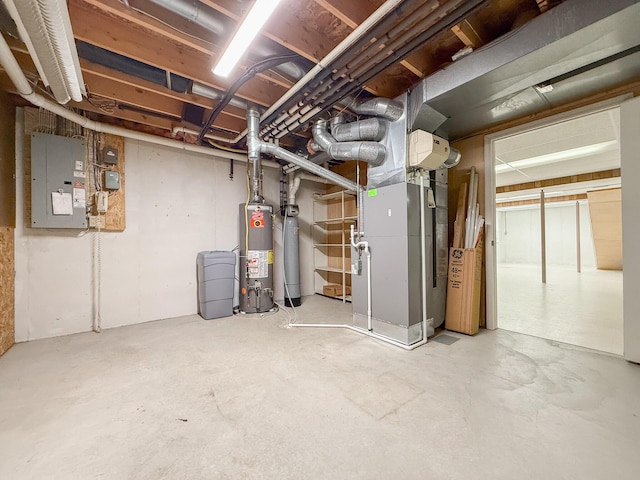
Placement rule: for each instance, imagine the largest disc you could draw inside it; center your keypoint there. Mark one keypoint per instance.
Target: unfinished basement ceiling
(147, 63)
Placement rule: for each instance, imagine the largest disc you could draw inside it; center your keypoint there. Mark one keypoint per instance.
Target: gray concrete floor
(249, 398)
(583, 309)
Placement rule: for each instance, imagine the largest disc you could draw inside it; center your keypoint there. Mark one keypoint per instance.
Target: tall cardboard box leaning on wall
(463, 289)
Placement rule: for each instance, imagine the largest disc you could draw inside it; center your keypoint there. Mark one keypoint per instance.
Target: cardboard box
(334, 290)
(464, 286)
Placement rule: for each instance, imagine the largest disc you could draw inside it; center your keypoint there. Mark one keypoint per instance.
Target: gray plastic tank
(216, 275)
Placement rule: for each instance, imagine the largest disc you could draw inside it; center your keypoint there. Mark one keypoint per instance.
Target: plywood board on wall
(605, 210)
(115, 218)
(7, 162)
(7, 306)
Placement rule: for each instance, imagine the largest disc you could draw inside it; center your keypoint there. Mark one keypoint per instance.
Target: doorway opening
(558, 230)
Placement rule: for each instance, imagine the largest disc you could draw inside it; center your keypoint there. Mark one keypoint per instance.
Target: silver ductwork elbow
(386, 108)
(371, 152)
(321, 136)
(369, 129)
(453, 159)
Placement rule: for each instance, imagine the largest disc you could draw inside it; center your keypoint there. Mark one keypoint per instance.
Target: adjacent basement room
(319, 239)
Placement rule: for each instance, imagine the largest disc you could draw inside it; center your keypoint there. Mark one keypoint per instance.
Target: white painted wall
(518, 235)
(177, 204)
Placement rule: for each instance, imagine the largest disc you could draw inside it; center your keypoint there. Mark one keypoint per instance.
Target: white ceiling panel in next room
(586, 144)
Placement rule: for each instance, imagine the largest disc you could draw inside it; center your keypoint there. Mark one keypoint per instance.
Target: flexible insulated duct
(379, 107)
(372, 153)
(48, 26)
(370, 129)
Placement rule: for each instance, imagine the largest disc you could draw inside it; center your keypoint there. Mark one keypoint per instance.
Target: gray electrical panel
(58, 182)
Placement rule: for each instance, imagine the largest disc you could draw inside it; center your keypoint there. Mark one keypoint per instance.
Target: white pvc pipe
(423, 245)
(386, 8)
(369, 318)
(365, 246)
(294, 185)
(10, 65)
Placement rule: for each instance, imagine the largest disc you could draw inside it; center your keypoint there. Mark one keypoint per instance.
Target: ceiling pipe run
(326, 62)
(329, 93)
(10, 65)
(255, 147)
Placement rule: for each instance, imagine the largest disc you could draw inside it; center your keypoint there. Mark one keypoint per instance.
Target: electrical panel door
(58, 182)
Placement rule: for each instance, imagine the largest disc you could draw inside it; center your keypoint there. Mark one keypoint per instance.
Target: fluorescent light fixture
(251, 25)
(557, 156)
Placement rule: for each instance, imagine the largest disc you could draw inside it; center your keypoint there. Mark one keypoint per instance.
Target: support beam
(578, 256)
(543, 238)
(551, 182)
(467, 34)
(536, 201)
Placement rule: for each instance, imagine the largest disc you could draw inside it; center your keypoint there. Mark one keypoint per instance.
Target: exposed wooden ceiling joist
(536, 201)
(353, 14)
(283, 28)
(118, 9)
(161, 38)
(143, 45)
(123, 78)
(467, 34)
(553, 182)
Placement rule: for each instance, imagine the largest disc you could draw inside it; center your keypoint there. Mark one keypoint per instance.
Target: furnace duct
(386, 108)
(371, 152)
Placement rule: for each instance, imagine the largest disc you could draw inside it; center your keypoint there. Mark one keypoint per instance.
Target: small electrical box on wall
(111, 180)
(102, 202)
(109, 155)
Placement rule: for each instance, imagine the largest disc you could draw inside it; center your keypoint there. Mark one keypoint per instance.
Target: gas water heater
(256, 257)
